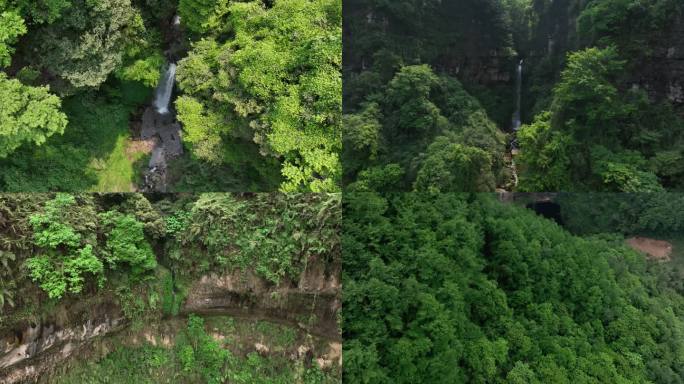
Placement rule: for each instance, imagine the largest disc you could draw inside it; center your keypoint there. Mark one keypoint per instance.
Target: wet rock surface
(165, 131)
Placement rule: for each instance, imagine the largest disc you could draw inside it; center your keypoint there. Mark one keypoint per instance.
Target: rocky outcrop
(165, 132)
(27, 353)
(662, 72)
(485, 68)
(311, 304)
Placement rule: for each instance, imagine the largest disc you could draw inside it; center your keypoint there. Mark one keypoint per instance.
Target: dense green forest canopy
(600, 93)
(461, 288)
(259, 93)
(625, 213)
(276, 80)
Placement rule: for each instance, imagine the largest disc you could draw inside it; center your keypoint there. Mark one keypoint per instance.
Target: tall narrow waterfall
(162, 97)
(518, 86)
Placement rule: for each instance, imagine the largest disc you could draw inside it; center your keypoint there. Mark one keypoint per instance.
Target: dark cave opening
(548, 209)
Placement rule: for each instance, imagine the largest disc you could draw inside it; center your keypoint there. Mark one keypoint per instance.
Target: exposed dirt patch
(134, 147)
(659, 250)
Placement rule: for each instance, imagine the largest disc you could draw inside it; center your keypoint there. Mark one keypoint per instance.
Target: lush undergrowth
(453, 288)
(95, 152)
(75, 246)
(139, 254)
(273, 234)
(196, 357)
(189, 174)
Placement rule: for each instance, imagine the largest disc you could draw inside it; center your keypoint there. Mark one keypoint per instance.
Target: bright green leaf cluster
(11, 27)
(66, 257)
(277, 83)
(126, 244)
(67, 237)
(28, 115)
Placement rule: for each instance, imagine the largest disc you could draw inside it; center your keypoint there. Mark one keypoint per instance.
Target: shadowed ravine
(159, 123)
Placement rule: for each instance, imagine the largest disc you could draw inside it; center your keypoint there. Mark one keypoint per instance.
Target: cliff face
(661, 73)
(27, 352)
(310, 304)
(481, 68)
(386, 35)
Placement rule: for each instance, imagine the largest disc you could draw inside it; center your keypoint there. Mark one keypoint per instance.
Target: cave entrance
(548, 209)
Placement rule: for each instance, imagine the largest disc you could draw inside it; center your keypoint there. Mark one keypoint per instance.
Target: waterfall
(518, 86)
(176, 20)
(162, 96)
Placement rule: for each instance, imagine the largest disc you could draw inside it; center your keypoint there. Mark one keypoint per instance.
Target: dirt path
(659, 250)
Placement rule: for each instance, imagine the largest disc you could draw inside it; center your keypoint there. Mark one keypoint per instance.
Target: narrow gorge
(159, 123)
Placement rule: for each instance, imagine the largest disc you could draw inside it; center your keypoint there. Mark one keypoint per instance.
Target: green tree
(86, 43)
(11, 27)
(362, 136)
(546, 157)
(39, 11)
(414, 115)
(28, 115)
(596, 136)
(283, 94)
(428, 126)
(450, 166)
(500, 294)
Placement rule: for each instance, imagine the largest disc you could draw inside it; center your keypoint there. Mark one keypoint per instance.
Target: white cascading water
(518, 86)
(176, 20)
(162, 96)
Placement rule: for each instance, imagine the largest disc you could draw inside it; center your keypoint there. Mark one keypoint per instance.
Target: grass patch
(145, 364)
(93, 152)
(119, 173)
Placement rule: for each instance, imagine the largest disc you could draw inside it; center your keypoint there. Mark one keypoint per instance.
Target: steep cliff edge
(84, 277)
(311, 306)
